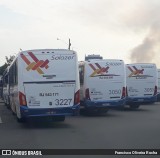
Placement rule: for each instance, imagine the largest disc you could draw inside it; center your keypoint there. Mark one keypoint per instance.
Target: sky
(115, 29)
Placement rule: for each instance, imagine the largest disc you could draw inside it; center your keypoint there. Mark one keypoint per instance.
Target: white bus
(5, 92)
(141, 79)
(103, 84)
(44, 82)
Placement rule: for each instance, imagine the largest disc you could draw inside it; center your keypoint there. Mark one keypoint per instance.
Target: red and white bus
(44, 82)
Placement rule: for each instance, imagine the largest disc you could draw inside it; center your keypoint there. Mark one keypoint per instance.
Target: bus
(5, 91)
(102, 85)
(44, 83)
(142, 81)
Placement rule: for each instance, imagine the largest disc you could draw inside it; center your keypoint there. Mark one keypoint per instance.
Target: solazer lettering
(113, 64)
(60, 57)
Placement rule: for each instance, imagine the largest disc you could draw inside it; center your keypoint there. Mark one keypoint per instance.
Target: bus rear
(48, 83)
(142, 83)
(104, 84)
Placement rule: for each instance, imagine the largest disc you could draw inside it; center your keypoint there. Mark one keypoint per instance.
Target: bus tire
(13, 113)
(8, 106)
(21, 120)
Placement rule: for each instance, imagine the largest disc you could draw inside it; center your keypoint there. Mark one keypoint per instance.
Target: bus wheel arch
(20, 119)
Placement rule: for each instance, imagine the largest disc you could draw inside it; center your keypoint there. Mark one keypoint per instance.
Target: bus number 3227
(63, 101)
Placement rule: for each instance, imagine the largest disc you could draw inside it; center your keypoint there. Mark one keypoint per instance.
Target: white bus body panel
(141, 82)
(6, 88)
(49, 79)
(105, 80)
(52, 96)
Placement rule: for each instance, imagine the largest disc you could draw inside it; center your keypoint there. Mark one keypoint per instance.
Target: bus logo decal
(100, 71)
(137, 73)
(36, 64)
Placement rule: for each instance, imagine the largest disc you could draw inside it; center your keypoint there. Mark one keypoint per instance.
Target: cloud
(148, 50)
(145, 18)
(114, 26)
(102, 13)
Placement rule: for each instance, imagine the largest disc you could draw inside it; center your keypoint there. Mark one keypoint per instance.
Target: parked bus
(102, 85)
(44, 82)
(5, 81)
(141, 79)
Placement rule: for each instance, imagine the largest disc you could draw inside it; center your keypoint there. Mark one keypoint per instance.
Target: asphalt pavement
(118, 129)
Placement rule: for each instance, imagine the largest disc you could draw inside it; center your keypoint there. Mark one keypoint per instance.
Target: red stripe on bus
(25, 59)
(98, 65)
(92, 67)
(33, 57)
(38, 64)
(45, 64)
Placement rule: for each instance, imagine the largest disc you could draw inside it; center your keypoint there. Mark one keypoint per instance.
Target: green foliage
(10, 59)
(7, 63)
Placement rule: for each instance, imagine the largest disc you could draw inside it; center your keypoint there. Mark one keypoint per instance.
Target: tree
(10, 59)
(7, 63)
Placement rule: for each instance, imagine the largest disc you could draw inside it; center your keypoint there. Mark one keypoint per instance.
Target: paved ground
(125, 129)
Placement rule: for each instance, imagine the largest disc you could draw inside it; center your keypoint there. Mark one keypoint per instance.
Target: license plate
(51, 112)
(106, 104)
(140, 99)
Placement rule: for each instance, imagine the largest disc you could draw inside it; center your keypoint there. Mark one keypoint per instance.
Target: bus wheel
(13, 113)
(21, 120)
